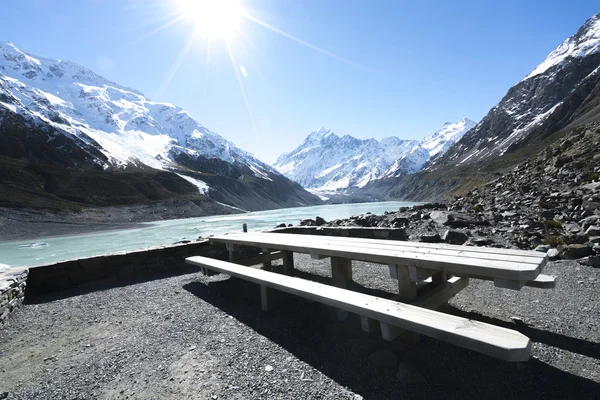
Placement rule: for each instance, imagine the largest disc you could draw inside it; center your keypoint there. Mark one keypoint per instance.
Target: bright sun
(215, 18)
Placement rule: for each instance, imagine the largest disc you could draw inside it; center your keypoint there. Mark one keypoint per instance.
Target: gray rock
(320, 221)
(575, 251)
(431, 238)
(384, 358)
(543, 248)
(455, 237)
(593, 230)
(408, 375)
(592, 261)
(308, 222)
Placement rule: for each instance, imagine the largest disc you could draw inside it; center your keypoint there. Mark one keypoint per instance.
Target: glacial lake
(47, 250)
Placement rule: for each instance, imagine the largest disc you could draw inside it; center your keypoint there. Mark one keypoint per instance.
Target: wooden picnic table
(428, 276)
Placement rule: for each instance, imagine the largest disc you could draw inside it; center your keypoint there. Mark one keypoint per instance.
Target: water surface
(46, 250)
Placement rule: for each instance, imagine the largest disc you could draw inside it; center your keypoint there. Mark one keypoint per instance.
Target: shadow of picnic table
(332, 342)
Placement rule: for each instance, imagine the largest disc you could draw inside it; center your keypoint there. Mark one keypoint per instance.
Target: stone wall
(146, 263)
(12, 291)
(118, 267)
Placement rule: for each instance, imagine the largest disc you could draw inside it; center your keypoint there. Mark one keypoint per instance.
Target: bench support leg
(407, 293)
(267, 298)
(266, 259)
(339, 271)
(368, 325)
(288, 263)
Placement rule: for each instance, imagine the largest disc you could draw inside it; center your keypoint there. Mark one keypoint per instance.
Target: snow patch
(201, 185)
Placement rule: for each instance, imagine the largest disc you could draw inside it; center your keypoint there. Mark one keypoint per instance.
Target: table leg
(266, 259)
(439, 279)
(232, 250)
(288, 263)
(339, 271)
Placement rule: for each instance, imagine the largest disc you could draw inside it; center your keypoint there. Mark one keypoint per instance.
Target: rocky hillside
(550, 203)
(326, 162)
(561, 91)
(70, 138)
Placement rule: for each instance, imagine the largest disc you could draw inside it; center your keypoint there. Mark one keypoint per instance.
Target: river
(47, 250)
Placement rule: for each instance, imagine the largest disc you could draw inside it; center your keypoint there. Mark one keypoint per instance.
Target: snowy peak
(449, 133)
(128, 128)
(326, 162)
(558, 92)
(584, 43)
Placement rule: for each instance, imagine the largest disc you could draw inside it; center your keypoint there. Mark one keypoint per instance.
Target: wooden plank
(439, 296)
(288, 263)
(259, 259)
(541, 282)
(509, 283)
(454, 264)
(488, 339)
(525, 256)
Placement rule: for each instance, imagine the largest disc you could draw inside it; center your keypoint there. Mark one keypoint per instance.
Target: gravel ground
(191, 336)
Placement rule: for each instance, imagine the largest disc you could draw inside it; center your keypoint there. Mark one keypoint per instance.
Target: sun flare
(213, 18)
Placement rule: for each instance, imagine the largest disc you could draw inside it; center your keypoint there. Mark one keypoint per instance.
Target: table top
(517, 265)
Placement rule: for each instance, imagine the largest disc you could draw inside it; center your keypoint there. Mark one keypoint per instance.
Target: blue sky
(402, 68)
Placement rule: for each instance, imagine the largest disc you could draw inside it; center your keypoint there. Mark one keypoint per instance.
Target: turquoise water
(47, 250)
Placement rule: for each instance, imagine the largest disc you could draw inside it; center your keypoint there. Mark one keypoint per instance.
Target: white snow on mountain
(128, 127)
(326, 163)
(585, 42)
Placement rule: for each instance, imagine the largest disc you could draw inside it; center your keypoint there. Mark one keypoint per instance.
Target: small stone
(384, 358)
(543, 248)
(3, 395)
(193, 347)
(268, 368)
(552, 254)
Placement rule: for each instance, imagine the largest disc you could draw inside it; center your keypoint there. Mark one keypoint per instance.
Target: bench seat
(498, 342)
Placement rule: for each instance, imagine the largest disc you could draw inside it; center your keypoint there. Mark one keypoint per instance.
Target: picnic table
(428, 276)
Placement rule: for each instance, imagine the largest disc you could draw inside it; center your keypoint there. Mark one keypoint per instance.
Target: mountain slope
(559, 96)
(327, 162)
(555, 94)
(64, 115)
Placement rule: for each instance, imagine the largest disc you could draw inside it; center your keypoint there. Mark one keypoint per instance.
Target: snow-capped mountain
(326, 162)
(118, 127)
(558, 92)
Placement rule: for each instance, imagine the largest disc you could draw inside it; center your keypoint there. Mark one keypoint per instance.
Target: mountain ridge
(325, 161)
(113, 128)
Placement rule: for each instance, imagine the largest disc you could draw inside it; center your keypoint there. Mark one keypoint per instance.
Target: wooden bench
(491, 340)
